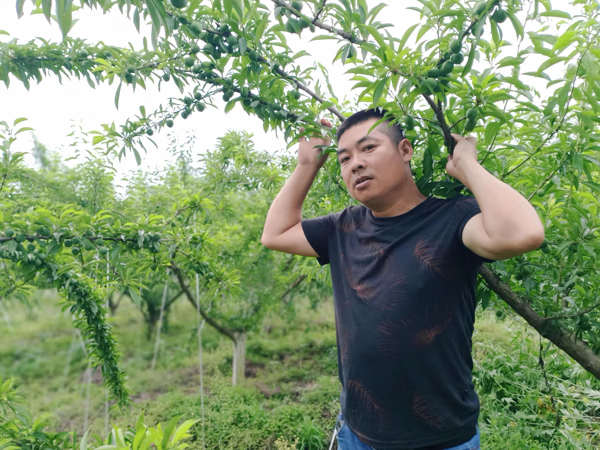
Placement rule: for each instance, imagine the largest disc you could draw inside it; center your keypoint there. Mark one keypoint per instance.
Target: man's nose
(358, 164)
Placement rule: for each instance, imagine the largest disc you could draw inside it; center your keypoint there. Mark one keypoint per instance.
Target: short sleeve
(466, 209)
(318, 234)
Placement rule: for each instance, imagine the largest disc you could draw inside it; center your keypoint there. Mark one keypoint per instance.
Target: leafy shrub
(19, 430)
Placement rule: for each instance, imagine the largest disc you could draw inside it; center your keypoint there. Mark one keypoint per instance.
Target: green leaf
(490, 132)
(564, 95)
(565, 39)
(260, 28)
(136, 19)
(377, 36)
(64, 16)
(323, 37)
(243, 45)
(83, 445)
(238, 5)
(156, 9)
(20, 4)
(138, 158)
(230, 105)
(118, 95)
(169, 430)
(470, 60)
(379, 90)
(47, 9)
(427, 163)
(516, 24)
(406, 35)
(555, 13)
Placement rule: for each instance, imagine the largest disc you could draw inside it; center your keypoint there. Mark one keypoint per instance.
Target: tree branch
(575, 348)
(570, 316)
(294, 285)
(439, 114)
(564, 117)
(186, 290)
(316, 22)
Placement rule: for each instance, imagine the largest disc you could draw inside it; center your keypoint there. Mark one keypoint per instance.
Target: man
(403, 267)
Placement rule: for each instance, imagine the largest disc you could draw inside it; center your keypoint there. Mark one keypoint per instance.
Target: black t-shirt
(404, 293)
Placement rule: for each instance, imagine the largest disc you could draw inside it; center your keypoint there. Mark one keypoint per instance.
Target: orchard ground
(290, 396)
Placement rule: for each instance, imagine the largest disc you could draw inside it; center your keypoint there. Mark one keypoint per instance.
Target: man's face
(372, 165)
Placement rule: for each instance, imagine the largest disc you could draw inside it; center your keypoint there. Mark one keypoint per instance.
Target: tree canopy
(454, 70)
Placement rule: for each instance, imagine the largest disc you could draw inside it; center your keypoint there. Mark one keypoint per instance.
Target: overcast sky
(53, 109)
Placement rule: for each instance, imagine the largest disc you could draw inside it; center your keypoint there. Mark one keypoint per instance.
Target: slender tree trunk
(239, 357)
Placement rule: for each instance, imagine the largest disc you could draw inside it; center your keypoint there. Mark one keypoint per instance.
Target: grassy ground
(291, 392)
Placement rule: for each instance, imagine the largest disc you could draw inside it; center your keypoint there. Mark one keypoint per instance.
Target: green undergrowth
(290, 397)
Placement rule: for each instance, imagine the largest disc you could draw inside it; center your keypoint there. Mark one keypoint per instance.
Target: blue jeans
(347, 440)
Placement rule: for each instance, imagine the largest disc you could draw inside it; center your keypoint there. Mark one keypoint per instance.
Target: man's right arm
(283, 227)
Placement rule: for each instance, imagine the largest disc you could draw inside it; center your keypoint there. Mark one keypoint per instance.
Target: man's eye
(369, 147)
(343, 160)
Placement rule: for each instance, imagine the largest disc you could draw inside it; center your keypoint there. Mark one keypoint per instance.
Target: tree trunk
(239, 357)
(575, 348)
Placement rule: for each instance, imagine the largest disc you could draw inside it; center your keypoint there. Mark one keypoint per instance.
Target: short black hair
(393, 130)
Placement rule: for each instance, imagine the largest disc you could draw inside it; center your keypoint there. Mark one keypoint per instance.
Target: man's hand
(310, 156)
(465, 154)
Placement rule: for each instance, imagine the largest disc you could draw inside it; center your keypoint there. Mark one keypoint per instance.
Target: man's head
(381, 157)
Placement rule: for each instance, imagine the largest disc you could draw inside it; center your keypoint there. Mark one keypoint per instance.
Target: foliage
(520, 401)
(464, 67)
(292, 379)
(542, 144)
(18, 430)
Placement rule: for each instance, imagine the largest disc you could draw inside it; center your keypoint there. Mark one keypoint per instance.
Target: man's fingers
(472, 140)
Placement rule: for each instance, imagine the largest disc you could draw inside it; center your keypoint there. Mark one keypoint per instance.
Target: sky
(54, 109)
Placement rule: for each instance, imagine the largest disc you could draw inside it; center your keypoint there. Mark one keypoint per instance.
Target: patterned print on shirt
(429, 412)
(365, 398)
(349, 223)
(392, 335)
(355, 275)
(429, 257)
(374, 249)
(343, 336)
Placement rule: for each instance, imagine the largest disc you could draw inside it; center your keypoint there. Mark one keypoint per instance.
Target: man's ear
(406, 149)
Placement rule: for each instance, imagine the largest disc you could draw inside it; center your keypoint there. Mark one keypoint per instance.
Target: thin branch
(564, 117)
(571, 316)
(186, 290)
(546, 179)
(456, 123)
(337, 31)
(319, 11)
(306, 89)
(294, 285)
(173, 299)
(439, 114)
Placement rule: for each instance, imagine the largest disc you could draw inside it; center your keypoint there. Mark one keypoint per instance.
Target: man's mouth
(362, 182)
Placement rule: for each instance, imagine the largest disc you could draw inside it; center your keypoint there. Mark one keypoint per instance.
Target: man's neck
(400, 202)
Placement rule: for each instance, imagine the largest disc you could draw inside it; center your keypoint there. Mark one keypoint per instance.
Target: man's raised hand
(310, 156)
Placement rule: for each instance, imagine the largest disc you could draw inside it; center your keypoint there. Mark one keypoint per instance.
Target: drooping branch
(316, 22)
(294, 285)
(213, 323)
(303, 87)
(575, 348)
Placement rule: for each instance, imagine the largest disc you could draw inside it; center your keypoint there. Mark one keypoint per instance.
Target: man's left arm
(508, 225)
